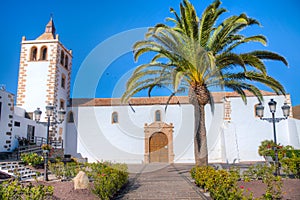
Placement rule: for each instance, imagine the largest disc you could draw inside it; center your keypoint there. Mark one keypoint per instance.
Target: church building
(141, 131)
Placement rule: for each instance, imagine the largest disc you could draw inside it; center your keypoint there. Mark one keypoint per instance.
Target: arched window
(43, 55)
(62, 57)
(63, 81)
(66, 62)
(114, 118)
(33, 53)
(70, 117)
(157, 116)
(62, 104)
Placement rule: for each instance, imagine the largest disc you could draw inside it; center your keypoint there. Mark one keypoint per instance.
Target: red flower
(248, 189)
(242, 187)
(103, 175)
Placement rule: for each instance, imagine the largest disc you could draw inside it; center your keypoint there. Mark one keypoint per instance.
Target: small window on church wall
(66, 62)
(43, 53)
(157, 116)
(70, 118)
(63, 81)
(33, 54)
(62, 57)
(62, 104)
(114, 118)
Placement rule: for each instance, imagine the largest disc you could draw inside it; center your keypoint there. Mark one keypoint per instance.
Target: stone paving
(161, 181)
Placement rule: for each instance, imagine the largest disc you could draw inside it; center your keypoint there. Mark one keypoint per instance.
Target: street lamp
(259, 109)
(49, 112)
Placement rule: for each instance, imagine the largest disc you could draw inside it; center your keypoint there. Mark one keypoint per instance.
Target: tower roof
(49, 33)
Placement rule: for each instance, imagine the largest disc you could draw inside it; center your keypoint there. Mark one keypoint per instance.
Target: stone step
(17, 169)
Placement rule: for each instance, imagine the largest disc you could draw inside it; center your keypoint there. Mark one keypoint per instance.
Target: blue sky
(82, 25)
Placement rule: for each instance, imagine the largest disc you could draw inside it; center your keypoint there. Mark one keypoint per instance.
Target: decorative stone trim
(227, 110)
(161, 127)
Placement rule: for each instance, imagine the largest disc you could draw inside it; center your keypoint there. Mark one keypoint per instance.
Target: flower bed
(107, 178)
(15, 190)
(223, 184)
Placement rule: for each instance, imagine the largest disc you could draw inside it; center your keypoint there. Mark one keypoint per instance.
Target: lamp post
(259, 109)
(49, 113)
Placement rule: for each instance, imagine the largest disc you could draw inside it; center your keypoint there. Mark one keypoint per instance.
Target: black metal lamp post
(49, 112)
(259, 109)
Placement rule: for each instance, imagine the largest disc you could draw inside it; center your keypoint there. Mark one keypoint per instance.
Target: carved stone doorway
(158, 148)
(159, 142)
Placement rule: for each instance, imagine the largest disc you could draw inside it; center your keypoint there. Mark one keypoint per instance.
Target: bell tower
(44, 75)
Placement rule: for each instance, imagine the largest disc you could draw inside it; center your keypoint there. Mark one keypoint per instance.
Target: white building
(140, 132)
(15, 123)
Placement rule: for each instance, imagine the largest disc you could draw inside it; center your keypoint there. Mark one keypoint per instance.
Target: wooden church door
(158, 148)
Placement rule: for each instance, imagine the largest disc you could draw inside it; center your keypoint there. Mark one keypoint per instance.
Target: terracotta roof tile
(218, 98)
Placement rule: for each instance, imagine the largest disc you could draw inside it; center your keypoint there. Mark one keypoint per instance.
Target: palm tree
(196, 54)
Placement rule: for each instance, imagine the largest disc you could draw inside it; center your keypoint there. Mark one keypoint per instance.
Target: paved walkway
(161, 181)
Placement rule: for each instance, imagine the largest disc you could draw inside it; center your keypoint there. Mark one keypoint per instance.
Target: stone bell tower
(44, 75)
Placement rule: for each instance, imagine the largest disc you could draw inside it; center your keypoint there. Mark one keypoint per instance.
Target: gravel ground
(290, 189)
(65, 190)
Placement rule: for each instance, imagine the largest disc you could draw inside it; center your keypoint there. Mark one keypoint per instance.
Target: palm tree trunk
(198, 97)
(197, 140)
(200, 140)
(203, 157)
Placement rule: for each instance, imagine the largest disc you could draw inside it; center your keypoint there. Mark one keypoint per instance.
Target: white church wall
(99, 139)
(70, 138)
(294, 132)
(183, 121)
(214, 123)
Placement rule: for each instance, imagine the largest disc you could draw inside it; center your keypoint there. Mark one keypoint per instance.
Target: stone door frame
(156, 127)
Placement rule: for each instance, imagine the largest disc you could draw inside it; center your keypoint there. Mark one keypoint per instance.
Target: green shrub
(67, 171)
(108, 178)
(291, 153)
(291, 166)
(32, 159)
(266, 148)
(221, 184)
(17, 191)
